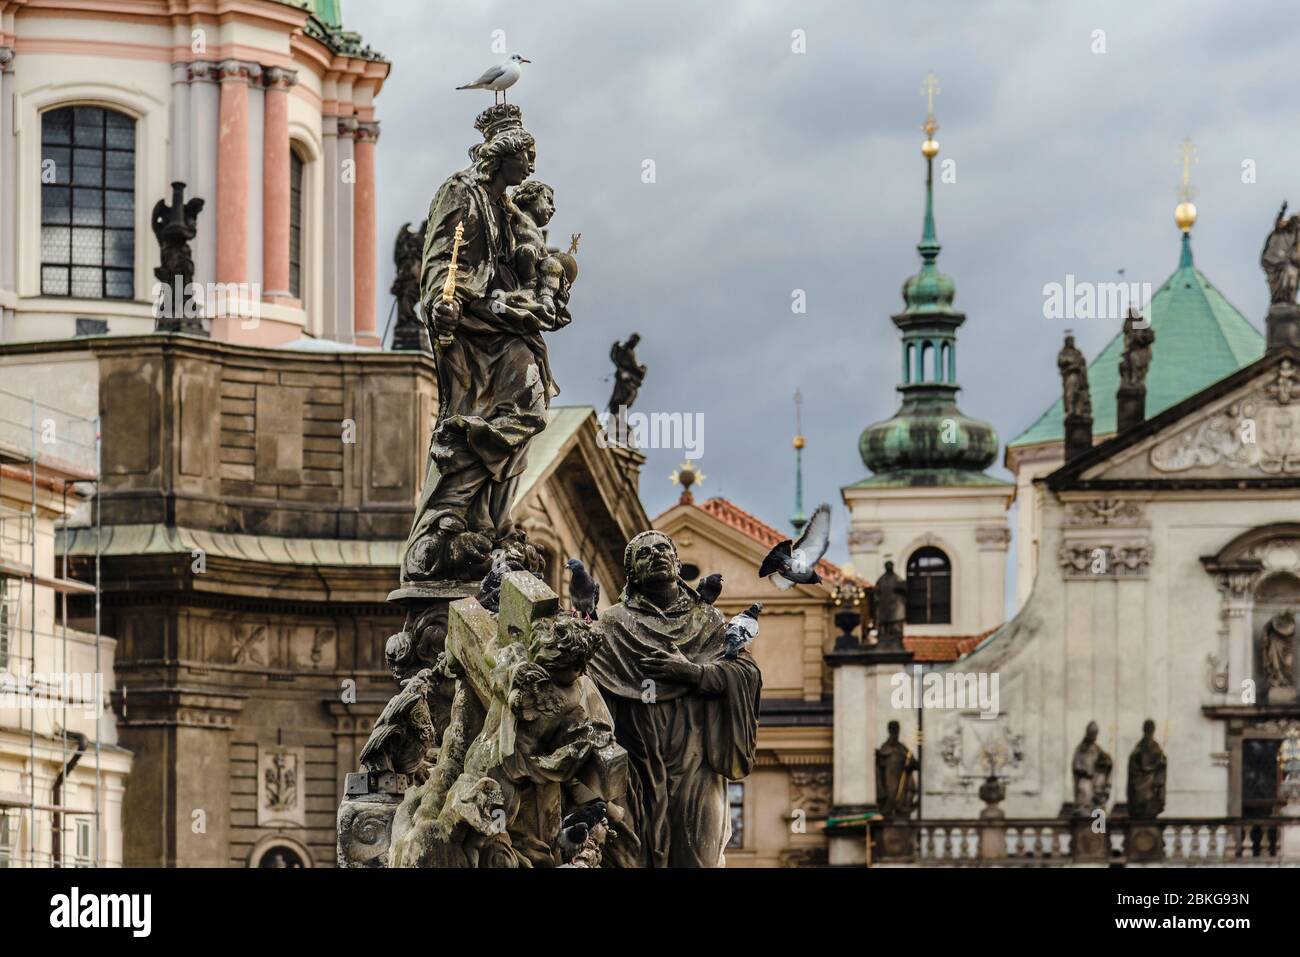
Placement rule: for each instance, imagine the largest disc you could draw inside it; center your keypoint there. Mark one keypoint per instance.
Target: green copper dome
(929, 441)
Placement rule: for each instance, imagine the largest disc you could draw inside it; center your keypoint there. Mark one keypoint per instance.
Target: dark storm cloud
(778, 171)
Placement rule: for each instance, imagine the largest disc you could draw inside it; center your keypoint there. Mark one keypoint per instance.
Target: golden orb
(1185, 215)
(930, 148)
(799, 442)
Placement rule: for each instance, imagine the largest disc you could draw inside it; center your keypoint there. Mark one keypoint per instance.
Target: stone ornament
(1258, 433)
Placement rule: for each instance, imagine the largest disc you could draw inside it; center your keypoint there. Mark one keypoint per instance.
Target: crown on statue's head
(499, 119)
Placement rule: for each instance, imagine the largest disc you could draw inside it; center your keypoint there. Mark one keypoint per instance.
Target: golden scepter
(449, 287)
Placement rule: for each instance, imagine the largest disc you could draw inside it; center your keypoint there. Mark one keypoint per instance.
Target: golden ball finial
(799, 442)
(1185, 215)
(930, 148)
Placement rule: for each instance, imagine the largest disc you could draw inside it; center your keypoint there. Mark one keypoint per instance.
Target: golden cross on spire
(929, 90)
(573, 243)
(1187, 156)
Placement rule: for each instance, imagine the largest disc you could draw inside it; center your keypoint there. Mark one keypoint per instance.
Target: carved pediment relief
(1257, 433)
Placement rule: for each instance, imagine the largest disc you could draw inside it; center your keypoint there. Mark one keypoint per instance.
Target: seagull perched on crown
(499, 78)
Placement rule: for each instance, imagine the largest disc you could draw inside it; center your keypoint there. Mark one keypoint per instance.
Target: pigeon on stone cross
(794, 563)
(499, 78)
(710, 588)
(742, 630)
(584, 590)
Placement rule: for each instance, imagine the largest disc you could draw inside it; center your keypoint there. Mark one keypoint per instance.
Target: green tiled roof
(327, 11)
(1200, 339)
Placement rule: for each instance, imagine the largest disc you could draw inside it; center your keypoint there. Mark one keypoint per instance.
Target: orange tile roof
(943, 647)
(733, 515)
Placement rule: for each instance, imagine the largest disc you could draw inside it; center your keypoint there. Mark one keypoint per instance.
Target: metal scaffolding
(55, 457)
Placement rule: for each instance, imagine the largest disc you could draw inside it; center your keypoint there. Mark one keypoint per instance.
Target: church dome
(938, 439)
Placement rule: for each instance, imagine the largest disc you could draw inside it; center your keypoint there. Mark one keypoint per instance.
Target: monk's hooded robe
(683, 744)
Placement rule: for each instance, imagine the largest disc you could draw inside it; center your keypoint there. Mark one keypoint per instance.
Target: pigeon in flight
(584, 590)
(710, 588)
(499, 78)
(795, 563)
(742, 630)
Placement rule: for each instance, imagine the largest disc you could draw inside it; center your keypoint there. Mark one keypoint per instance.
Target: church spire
(798, 519)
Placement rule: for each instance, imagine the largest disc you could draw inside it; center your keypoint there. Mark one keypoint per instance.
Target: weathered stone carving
(1086, 558)
(1146, 776)
(1104, 512)
(889, 609)
(810, 790)
(993, 537)
(866, 539)
(1091, 767)
(1076, 399)
(687, 716)
(494, 377)
(1131, 397)
(1280, 258)
(1260, 433)
(409, 333)
(175, 227)
(527, 736)
(895, 776)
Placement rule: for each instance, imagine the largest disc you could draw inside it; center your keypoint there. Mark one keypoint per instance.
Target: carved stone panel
(281, 785)
(279, 412)
(810, 790)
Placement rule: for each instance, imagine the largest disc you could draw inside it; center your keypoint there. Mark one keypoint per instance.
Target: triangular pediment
(1243, 429)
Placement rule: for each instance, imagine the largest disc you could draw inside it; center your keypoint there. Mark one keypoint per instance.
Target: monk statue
(889, 599)
(494, 376)
(1281, 258)
(1146, 776)
(1092, 767)
(895, 776)
(687, 715)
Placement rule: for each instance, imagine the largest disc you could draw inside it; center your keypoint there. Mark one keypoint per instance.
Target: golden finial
(930, 89)
(1185, 211)
(687, 475)
(573, 243)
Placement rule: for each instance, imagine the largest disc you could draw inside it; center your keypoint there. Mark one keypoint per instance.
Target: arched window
(929, 587)
(87, 203)
(295, 224)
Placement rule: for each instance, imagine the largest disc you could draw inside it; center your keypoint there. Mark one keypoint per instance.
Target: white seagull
(499, 78)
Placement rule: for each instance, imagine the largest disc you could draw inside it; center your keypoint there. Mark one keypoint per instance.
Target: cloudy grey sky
(779, 171)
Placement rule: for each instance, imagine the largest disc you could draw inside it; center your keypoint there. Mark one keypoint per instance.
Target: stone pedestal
(1283, 325)
(1086, 845)
(1146, 842)
(861, 714)
(365, 818)
(892, 843)
(1078, 435)
(1130, 407)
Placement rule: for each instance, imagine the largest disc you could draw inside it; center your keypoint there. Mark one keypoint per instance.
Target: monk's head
(650, 560)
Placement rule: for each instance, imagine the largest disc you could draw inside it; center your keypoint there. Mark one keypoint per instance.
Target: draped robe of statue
(494, 379)
(686, 743)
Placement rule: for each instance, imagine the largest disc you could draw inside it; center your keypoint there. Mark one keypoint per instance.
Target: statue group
(523, 736)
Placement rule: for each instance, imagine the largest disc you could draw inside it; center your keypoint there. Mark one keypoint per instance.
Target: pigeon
(577, 826)
(742, 630)
(499, 78)
(489, 591)
(710, 588)
(584, 590)
(795, 563)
